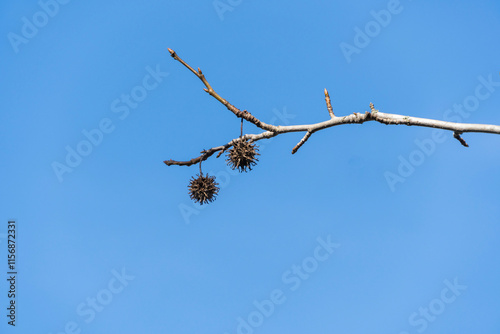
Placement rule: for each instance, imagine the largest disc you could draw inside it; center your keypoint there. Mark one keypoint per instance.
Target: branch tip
(329, 104)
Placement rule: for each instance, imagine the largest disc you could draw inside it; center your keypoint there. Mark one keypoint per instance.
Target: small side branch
(205, 154)
(302, 141)
(242, 114)
(457, 136)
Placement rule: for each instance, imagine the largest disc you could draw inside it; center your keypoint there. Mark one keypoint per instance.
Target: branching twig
(355, 118)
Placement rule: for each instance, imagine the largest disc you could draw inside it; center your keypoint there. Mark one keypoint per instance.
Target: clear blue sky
(367, 229)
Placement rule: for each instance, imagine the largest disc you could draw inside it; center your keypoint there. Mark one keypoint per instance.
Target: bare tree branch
(355, 118)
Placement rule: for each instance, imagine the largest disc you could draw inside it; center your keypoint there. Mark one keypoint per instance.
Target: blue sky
(366, 229)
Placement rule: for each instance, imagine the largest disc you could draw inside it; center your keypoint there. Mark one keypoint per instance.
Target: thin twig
(208, 153)
(301, 142)
(243, 114)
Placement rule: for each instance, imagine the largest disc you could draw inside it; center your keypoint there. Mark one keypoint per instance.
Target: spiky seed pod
(203, 189)
(242, 156)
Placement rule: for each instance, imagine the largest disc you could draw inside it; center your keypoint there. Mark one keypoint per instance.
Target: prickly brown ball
(242, 156)
(203, 189)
